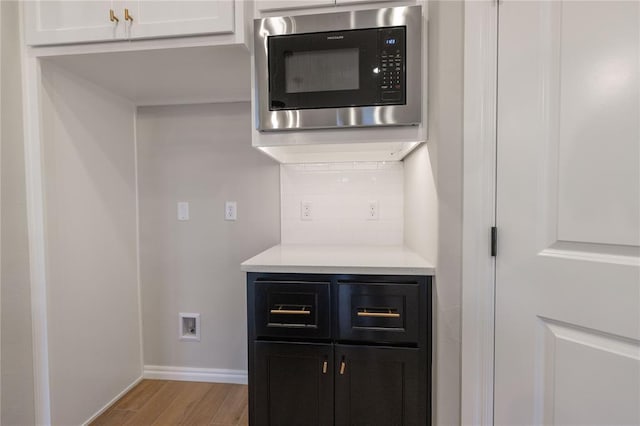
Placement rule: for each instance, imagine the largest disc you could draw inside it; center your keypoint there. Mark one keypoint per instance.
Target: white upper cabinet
(178, 18)
(63, 21)
(266, 5)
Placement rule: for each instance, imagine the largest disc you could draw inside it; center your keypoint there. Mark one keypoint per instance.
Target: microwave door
(323, 70)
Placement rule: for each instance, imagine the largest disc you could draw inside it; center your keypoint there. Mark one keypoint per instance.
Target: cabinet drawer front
(378, 312)
(292, 309)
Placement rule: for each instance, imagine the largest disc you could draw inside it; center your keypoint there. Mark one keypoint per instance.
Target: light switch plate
(183, 210)
(230, 210)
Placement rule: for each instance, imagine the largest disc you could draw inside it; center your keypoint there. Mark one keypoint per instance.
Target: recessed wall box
(189, 326)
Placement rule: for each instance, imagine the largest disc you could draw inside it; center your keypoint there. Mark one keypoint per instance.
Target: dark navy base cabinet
(339, 349)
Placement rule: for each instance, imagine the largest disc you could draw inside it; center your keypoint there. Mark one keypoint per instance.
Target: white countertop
(384, 260)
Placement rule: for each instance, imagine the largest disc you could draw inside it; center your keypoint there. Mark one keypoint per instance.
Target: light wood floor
(163, 402)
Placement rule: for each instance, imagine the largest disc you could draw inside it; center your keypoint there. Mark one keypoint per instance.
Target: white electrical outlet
(306, 212)
(230, 210)
(189, 327)
(373, 211)
(183, 210)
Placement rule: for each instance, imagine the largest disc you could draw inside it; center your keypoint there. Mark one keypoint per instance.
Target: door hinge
(494, 241)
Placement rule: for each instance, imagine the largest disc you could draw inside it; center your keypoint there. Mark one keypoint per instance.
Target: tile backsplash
(338, 197)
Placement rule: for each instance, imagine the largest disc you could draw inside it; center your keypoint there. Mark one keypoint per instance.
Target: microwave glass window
(322, 70)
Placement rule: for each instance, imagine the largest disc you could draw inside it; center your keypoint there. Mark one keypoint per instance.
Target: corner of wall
(421, 203)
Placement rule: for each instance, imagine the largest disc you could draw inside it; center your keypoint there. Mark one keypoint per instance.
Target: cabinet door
(63, 21)
(378, 386)
(265, 5)
(293, 384)
(179, 18)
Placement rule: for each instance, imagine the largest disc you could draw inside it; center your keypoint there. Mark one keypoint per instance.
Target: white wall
(441, 158)
(16, 346)
(90, 216)
(201, 154)
(340, 194)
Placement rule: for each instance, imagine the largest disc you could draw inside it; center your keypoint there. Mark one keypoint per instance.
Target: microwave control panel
(391, 56)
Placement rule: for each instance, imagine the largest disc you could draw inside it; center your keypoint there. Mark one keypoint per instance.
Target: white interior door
(567, 347)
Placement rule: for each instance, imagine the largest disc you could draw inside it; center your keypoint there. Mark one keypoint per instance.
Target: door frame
(34, 182)
(479, 213)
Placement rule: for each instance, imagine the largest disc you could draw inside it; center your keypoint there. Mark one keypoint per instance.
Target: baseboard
(188, 374)
(110, 403)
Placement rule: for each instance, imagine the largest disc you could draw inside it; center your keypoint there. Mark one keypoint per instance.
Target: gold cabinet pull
(343, 365)
(127, 16)
(302, 311)
(389, 314)
(112, 16)
(324, 367)
(289, 312)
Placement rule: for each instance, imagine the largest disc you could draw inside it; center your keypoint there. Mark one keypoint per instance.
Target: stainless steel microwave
(336, 70)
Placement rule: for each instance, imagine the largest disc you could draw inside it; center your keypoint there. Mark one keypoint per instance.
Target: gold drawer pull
(389, 314)
(112, 16)
(302, 311)
(324, 367)
(343, 365)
